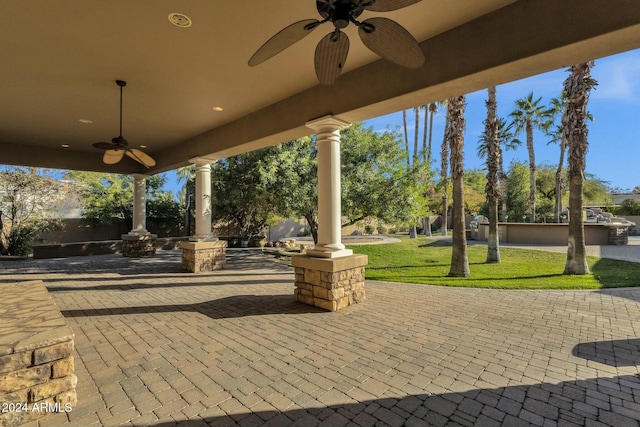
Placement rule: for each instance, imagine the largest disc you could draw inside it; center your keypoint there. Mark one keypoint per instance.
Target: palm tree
(406, 137)
(558, 106)
(416, 131)
(527, 116)
(444, 168)
(454, 134)
(506, 139)
(577, 88)
(494, 162)
(424, 133)
(433, 109)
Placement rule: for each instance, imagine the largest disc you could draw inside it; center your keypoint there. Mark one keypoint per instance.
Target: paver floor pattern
(160, 347)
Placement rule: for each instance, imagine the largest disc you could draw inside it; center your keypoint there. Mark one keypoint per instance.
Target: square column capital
(202, 160)
(327, 124)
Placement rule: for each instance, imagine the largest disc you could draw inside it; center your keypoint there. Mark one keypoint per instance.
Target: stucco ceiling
(59, 61)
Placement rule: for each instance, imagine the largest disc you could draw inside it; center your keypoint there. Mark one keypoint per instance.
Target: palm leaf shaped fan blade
(118, 147)
(383, 36)
(140, 157)
(331, 54)
(113, 156)
(283, 39)
(389, 5)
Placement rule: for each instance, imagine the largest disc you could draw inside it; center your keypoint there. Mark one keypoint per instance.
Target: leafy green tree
(596, 191)
(241, 194)
(187, 196)
(375, 182)
(628, 207)
(475, 182)
(517, 190)
(28, 206)
(253, 188)
(106, 197)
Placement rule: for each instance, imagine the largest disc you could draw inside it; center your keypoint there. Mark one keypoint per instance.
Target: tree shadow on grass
(436, 244)
(613, 273)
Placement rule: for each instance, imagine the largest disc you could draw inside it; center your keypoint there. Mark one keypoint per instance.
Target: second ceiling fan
(383, 36)
(118, 147)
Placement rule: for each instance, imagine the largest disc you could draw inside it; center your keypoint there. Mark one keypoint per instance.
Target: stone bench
(36, 355)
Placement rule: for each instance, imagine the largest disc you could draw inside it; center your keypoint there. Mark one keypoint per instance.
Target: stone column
(329, 244)
(203, 251)
(329, 276)
(139, 242)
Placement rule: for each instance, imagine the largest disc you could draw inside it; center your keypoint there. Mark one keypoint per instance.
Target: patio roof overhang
(59, 61)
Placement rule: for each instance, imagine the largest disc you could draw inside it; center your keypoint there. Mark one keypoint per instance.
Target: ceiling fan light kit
(383, 36)
(119, 147)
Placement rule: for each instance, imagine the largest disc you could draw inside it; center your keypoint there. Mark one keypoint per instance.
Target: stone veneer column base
(138, 245)
(329, 283)
(36, 355)
(203, 256)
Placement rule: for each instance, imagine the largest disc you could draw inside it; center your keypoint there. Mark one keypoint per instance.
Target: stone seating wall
(36, 355)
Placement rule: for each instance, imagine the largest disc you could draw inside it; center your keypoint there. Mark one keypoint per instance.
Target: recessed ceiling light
(85, 121)
(65, 145)
(218, 108)
(143, 146)
(179, 20)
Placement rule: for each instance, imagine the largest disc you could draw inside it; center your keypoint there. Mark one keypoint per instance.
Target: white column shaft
(329, 192)
(139, 205)
(203, 200)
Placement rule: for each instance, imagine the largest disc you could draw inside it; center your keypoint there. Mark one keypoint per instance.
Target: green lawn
(427, 262)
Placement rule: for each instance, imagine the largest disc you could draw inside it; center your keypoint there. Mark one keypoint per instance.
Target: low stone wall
(554, 234)
(330, 284)
(104, 247)
(203, 256)
(36, 355)
(138, 245)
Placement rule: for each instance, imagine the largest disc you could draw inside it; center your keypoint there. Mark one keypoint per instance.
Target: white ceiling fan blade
(141, 157)
(112, 157)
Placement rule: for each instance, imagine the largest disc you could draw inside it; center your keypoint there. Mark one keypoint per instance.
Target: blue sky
(614, 135)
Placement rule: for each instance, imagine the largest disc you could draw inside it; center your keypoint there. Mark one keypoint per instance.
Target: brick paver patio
(159, 347)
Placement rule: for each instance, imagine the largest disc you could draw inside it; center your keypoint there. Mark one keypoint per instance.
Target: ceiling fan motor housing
(340, 12)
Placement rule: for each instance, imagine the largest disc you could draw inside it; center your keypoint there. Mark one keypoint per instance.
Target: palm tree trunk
(406, 138)
(577, 87)
(532, 173)
(416, 131)
(433, 107)
(455, 137)
(558, 198)
(444, 166)
(424, 134)
(493, 161)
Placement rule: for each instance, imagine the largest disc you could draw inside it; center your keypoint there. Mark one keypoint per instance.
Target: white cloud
(618, 77)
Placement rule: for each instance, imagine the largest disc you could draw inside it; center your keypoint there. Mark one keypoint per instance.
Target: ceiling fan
(383, 36)
(118, 147)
